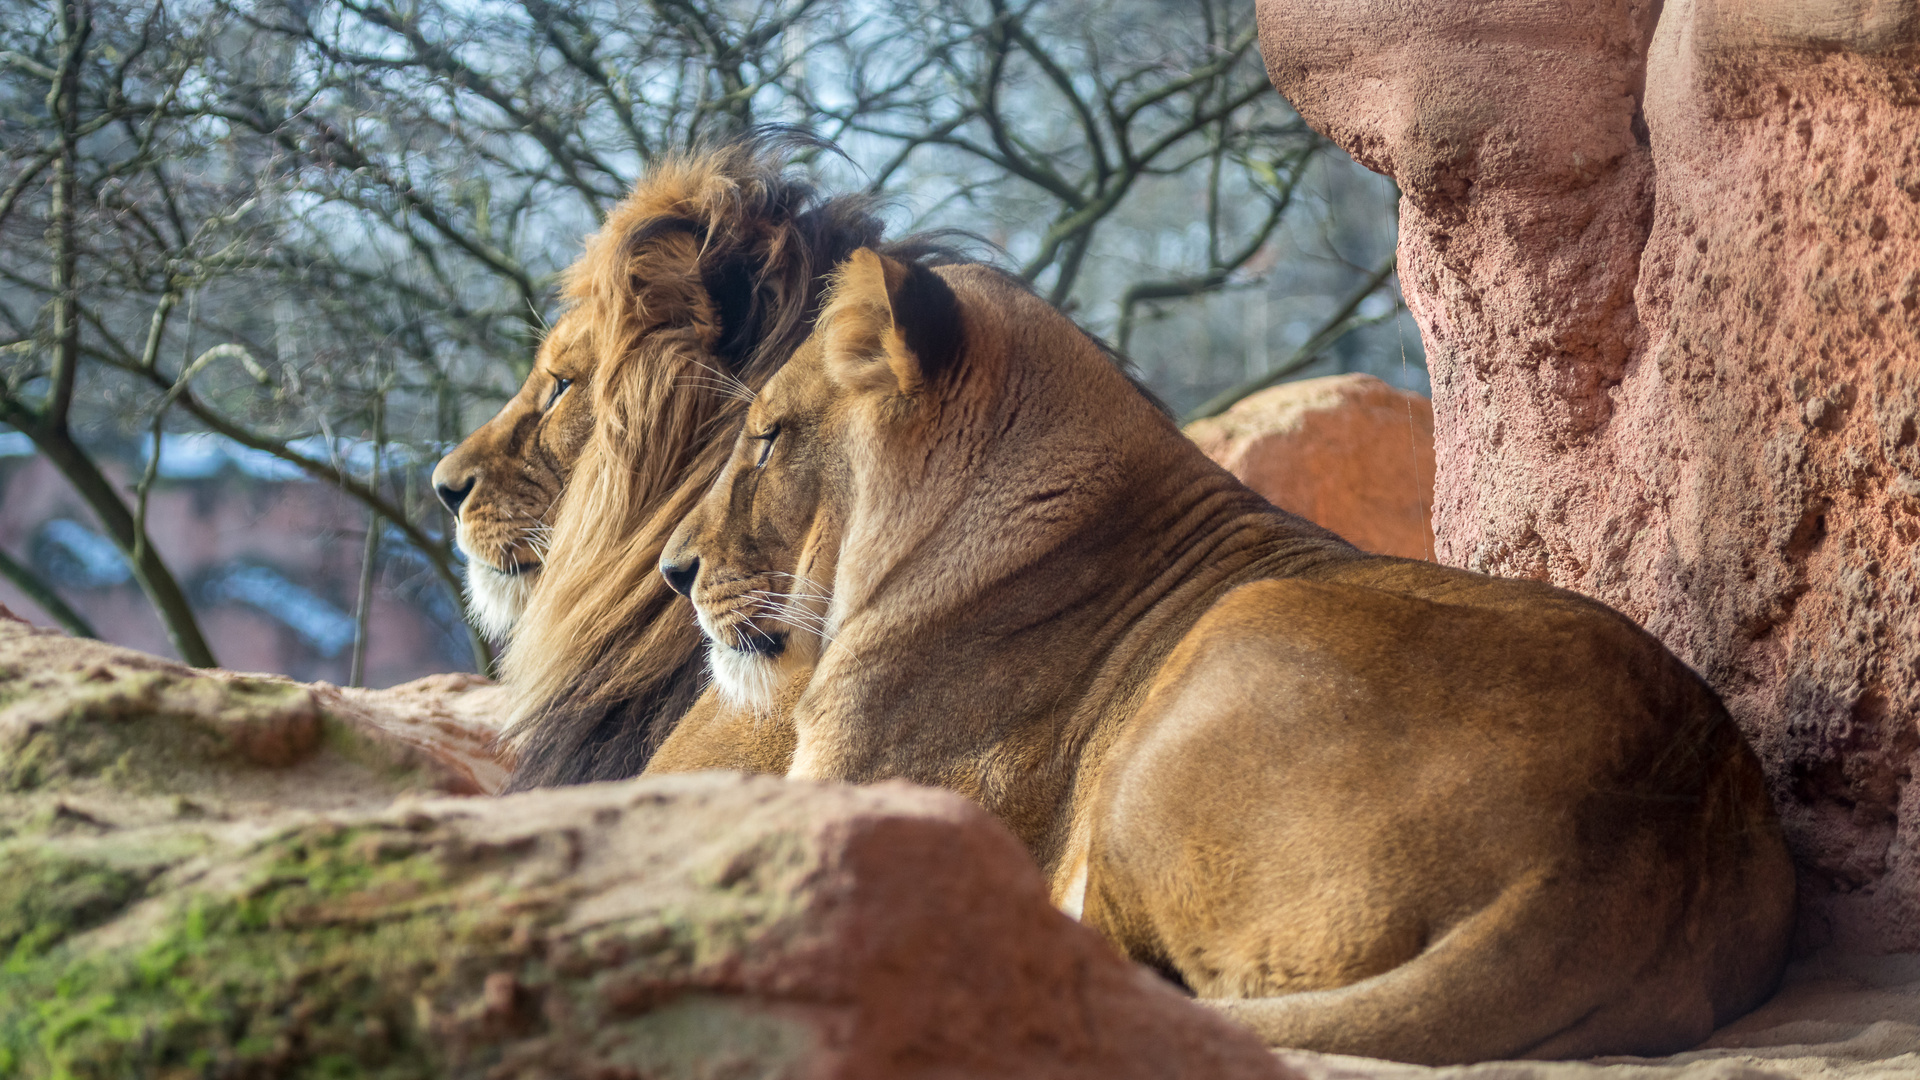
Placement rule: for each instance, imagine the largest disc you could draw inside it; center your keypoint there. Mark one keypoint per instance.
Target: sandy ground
(1856, 1017)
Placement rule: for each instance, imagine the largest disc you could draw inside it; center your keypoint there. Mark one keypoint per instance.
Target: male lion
(1366, 805)
(699, 284)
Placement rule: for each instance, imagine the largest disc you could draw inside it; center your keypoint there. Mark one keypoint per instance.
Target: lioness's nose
(680, 575)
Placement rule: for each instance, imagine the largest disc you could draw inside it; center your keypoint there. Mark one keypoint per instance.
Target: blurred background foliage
(263, 261)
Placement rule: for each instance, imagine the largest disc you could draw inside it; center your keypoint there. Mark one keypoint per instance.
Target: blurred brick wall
(308, 533)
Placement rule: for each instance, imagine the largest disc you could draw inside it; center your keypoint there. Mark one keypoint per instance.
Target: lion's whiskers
(727, 378)
(540, 539)
(804, 582)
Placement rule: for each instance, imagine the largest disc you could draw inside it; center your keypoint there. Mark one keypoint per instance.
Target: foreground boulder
(456, 719)
(1348, 452)
(204, 874)
(139, 738)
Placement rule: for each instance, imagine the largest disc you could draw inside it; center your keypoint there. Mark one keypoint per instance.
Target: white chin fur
(746, 680)
(497, 600)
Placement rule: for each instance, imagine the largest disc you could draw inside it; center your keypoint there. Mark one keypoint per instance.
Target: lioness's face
(758, 554)
(501, 482)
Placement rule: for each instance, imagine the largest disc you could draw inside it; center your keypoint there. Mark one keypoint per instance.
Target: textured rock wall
(1666, 260)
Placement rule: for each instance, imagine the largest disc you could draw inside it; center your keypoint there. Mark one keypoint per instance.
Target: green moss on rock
(312, 968)
(46, 897)
(143, 731)
(406, 948)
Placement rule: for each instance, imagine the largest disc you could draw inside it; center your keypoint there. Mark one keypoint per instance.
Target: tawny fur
(695, 289)
(1366, 805)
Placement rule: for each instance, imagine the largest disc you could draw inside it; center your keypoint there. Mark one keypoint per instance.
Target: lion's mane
(696, 289)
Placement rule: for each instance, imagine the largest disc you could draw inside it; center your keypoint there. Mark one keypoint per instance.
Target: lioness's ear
(889, 326)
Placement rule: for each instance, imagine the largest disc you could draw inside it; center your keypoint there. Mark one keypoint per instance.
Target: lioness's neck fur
(951, 537)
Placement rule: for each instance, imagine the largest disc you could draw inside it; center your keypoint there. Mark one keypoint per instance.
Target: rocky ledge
(206, 874)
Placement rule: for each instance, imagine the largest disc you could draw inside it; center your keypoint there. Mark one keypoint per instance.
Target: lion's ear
(889, 326)
(665, 280)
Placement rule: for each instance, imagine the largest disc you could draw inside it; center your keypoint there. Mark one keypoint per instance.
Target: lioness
(1365, 805)
(696, 288)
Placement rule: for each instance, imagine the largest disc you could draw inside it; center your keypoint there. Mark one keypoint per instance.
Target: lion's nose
(680, 575)
(454, 496)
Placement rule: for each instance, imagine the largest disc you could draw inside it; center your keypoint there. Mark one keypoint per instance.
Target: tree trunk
(49, 431)
(149, 570)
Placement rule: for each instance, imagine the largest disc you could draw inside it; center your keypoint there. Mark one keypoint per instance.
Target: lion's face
(759, 556)
(501, 483)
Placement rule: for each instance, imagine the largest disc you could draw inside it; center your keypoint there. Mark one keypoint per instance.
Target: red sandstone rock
(1348, 452)
(1669, 282)
(725, 925)
(238, 835)
(454, 718)
(438, 732)
(680, 926)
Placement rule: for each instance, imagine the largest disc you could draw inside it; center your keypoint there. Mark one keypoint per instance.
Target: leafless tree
(296, 224)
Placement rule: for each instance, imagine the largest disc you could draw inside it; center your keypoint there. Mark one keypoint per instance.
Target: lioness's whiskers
(776, 600)
(793, 612)
(796, 617)
(725, 381)
(799, 621)
(799, 618)
(723, 388)
(801, 605)
(754, 629)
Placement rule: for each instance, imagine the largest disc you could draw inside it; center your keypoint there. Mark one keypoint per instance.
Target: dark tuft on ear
(928, 315)
(732, 287)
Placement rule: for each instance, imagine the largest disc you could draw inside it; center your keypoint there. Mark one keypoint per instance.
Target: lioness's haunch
(1363, 804)
(697, 287)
